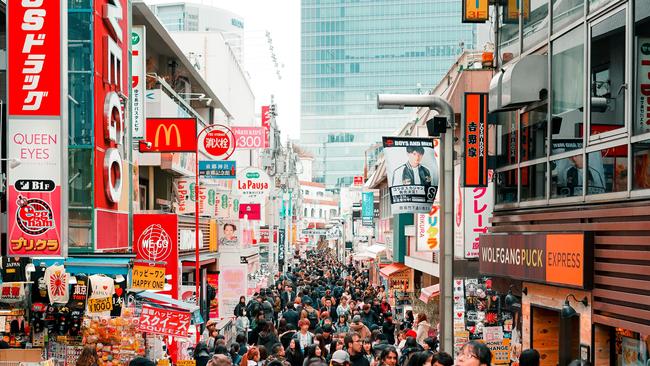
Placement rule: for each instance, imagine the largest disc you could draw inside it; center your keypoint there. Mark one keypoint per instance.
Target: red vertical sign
(155, 240)
(475, 170)
(266, 124)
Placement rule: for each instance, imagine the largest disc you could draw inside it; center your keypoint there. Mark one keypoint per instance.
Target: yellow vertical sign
(511, 11)
(475, 11)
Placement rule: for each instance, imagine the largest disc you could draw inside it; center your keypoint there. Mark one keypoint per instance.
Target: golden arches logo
(168, 135)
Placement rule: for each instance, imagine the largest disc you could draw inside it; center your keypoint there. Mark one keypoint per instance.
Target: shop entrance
(557, 340)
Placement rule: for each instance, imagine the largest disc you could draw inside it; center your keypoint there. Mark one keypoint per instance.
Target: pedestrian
(267, 337)
(201, 354)
(430, 344)
(313, 353)
(421, 359)
(359, 327)
(340, 358)
(251, 358)
(342, 324)
(220, 360)
(366, 350)
(411, 347)
(88, 357)
(353, 346)
(210, 327)
(304, 336)
(408, 320)
(443, 359)
(368, 316)
(241, 306)
(291, 315)
(529, 357)
(278, 354)
(141, 361)
(388, 357)
(294, 353)
(474, 353)
(422, 326)
(388, 328)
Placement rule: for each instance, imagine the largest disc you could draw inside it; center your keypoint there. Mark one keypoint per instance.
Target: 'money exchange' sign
(564, 259)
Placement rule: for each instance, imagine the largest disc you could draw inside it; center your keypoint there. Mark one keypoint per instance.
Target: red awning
(429, 292)
(391, 269)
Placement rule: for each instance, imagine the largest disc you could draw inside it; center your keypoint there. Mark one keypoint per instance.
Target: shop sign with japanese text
(367, 207)
(643, 89)
(473, 209)
(155, 242)
(164, 322)
(249, 137)
(564, 259)
(138, 81)
(266, 124)
(147, 277)
(225, 169)
(253, 184)
(475, 137)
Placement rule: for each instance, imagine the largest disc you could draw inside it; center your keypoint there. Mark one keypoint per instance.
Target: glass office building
(354, 49)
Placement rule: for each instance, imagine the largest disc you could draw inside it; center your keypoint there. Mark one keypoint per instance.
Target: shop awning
(173, 304)
(376, 249)
(189, 260)
(428, 292)
(97, 265)
(391, 269)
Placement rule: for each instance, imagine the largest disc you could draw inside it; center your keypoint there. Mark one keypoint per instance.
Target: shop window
(80, 231)
(567, 66)
(535, 25)
(607, 74)
(80, 106)
(629, 348)
(80, 4)
(80, 180)
(509, 32)
(533, 182)
(566, 177)
(607, 170)
(506, 186)
(641, 156)
(507, 139)
(641, 110)
(566, 12)
(534, 133)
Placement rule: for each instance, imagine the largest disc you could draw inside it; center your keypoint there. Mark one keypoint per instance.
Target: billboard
(253, 184)
(413, 173)
(155, 243)
(169, 135)
(249, 137)
(475, 137)
(34, 131)
(233, 283)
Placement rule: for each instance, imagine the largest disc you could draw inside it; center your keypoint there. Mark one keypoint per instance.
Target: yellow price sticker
(148, 277)
(100, 305)
(186, 363)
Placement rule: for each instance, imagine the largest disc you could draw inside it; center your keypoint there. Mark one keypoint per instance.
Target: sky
(282, 20)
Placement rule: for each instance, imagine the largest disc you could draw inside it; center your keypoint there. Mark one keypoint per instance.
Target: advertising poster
(250, 211)
(367, 208)
(266, 124)
(213, 280)
(227, 205)
(233, 283)
(642, 120)
(249, 137)
(412, 172)
(164, 322)
(155, 242)
(138, 80)
(229, 234)
(459, 212)
(253, 184)
(427, 229)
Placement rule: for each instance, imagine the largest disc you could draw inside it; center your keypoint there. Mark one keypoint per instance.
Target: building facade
(351, 51)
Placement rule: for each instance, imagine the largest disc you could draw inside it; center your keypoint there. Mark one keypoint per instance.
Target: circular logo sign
(154, 244)
(135, 38)
(219, 142)
(34, 216)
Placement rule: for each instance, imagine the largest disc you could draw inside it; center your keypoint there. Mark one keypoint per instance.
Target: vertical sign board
(266, 124)
(367, 208)
(35, 84)
(475, 11)
(643, 85)
(511, 11)
(233, 283)
(111, 39)
(475, 172)
(155, 242)
(138, 81)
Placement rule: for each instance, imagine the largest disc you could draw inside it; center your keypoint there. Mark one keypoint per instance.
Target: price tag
(100, 305)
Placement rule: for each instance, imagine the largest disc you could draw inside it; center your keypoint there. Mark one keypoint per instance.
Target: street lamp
(445, 110)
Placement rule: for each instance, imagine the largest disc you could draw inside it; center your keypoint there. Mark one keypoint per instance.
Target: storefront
(397, 278)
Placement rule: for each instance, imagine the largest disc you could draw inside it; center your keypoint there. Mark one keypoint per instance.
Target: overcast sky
(282, 19)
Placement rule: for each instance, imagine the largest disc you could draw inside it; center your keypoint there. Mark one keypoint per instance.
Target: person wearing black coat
(291, 315)
(388, 328)
(241, 307)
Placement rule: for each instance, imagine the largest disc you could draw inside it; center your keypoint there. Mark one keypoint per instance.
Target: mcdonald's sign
(169, 135)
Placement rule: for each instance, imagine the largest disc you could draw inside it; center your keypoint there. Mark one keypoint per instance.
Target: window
(566, 177)
(641, 156)
(533, 182)
(507, 139)
(536, 24)
(597, 4)
(641, 114)
(567, 67)
(566, 12)
(533, 137)
(607, 170)
(506, 186)
(607, 74)
(509, 32)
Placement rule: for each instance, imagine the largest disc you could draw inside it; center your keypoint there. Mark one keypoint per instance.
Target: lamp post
(223, 156)
(444, 109)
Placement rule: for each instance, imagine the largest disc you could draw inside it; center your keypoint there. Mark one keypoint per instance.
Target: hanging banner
(185, 197)
(475, 11)
(413, 173)
(225, 169)
(138, 81)
(281, 240)
(479, 205)
(250, 211)
(266, 125)
(169, 135)
(643, 86)
(367, 207)
(459, 215)
(475, 137)
(253, 185)
(155, 242)
(249, 137)
(427, 228)
(34, 140)
(164, 322)
(233, 283)
(229, 235)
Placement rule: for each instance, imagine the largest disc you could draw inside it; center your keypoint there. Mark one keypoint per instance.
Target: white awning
(376, 249)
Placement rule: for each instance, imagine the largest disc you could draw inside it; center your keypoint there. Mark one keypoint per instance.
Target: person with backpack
(411, 347)
(311, 315)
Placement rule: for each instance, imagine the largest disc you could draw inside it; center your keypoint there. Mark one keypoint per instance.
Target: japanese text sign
(164, 322)
(473, 208)
(266, 124)
(475, 11)
(155, 242)
(367, 208)
(219, 142)
(249, 137)
(225, 169)
(475, 132)
(169, 135)
(148, 277)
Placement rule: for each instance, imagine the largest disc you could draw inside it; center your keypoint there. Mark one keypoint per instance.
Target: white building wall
(307, 171)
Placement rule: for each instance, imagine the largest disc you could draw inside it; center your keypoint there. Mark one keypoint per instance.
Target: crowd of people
(323, 313)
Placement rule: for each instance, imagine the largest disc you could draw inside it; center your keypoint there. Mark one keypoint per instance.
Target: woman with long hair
(251, 358)
(422, 327)
(366, 350)
(88, 357)
(313, 353)
(294, 353)
(388, 357)
(421, 359)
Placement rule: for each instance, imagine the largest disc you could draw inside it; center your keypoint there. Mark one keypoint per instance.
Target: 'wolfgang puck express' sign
(564, 259)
